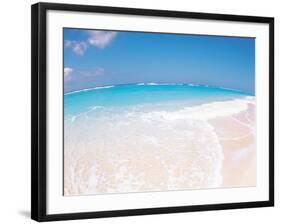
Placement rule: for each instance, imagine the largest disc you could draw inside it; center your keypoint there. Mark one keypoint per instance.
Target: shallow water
(145, 137)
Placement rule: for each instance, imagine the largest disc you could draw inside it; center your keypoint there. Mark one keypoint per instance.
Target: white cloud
(80, 75)
(101, 39)
(67, 73)
(77, 47)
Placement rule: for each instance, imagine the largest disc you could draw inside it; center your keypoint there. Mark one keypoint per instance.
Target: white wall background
(15, 110)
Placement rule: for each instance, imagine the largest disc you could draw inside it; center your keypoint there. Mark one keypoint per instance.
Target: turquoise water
(171, 95)
(145, 137)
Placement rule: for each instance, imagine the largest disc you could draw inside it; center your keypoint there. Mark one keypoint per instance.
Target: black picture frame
(39, 116)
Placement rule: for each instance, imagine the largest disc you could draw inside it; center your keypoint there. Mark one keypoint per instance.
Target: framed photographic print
(139, 111)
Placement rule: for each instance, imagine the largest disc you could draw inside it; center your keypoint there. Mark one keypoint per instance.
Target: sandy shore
(185, 154)
(237, 137)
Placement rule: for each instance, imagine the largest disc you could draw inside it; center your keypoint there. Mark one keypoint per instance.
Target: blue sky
(97, 58)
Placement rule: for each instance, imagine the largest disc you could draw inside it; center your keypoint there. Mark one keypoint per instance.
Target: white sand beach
(195, 148)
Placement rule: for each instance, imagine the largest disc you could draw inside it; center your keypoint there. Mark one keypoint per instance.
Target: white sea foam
(152, 84)
(88, 89)
(192, 84)
(136, 151)
(202, 112)
(235, 90)
(77, 91)
(121, 154)
(103, 87)
(160, 84)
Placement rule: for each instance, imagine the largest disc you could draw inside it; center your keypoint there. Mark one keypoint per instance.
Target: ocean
(145, 137)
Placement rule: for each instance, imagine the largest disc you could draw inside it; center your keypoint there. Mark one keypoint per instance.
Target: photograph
(143, 111)
(155, 112)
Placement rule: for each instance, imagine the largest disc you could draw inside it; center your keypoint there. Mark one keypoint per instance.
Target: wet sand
(237, 138)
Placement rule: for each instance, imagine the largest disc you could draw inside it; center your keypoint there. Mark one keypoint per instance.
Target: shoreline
(237, 138)
(93, 168)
